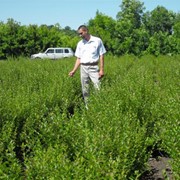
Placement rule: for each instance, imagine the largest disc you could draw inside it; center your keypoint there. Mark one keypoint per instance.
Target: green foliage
(17, 40)
(131, 10)
(104, 27)
(132, 32)
(46, 132)
(161, 20)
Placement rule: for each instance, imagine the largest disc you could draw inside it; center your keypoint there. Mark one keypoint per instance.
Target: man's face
(82, 33)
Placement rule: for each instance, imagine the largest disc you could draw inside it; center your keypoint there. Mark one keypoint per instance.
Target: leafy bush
(47, 133)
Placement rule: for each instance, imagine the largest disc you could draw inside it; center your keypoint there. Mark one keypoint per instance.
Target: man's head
(83, 32)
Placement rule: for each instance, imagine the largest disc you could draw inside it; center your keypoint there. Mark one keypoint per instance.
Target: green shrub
(46, 132)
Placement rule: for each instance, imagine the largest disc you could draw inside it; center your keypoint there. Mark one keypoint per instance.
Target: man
(89, 52)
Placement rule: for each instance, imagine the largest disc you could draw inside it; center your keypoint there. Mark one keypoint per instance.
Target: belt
(90, 64)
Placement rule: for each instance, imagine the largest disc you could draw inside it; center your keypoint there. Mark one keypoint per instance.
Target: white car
(54, 53)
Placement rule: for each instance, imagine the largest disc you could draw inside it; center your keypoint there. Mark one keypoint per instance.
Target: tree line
(134, 31)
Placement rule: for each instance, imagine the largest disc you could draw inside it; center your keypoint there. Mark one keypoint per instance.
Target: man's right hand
(71, 74)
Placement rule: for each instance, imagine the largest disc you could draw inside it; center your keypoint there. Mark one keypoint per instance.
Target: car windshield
(50, 51)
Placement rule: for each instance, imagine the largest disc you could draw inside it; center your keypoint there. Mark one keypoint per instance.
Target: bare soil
(158, 168)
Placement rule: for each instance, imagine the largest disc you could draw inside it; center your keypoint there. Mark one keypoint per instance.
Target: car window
(59, 50)
(50, 51)
(66, 50)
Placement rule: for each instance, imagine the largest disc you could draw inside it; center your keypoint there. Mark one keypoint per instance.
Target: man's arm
(77, 64)
(101, 66)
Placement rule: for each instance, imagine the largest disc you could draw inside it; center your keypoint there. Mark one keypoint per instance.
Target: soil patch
(158, 168)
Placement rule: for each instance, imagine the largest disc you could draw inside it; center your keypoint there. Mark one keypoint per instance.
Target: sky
(72, 13)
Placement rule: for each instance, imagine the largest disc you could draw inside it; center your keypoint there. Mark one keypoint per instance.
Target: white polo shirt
(89, 51)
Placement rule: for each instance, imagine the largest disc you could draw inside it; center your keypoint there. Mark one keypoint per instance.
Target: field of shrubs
(47, 133)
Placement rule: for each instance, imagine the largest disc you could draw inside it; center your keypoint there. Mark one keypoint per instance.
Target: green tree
(9, 38)
(104, 27)
(140, 41)
(128, 28)
(123, 41)
(131, 10)
(159, 44)
(177, 18)
(70, 32)
(2, 40)
(176, 27)
(175, 40)
(160, 19)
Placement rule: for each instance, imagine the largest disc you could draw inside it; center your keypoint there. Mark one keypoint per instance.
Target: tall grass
(46, 132)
